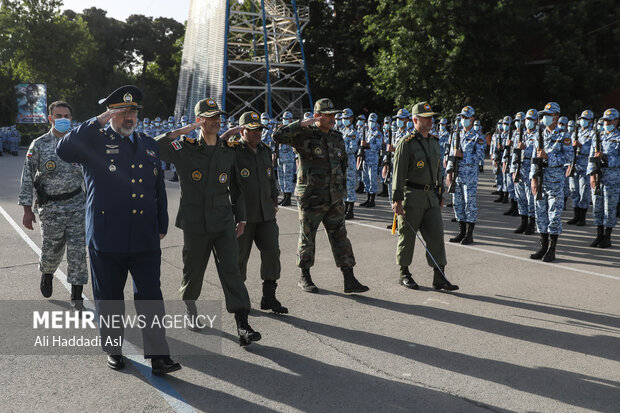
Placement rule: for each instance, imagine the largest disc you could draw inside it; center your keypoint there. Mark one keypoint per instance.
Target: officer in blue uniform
(286, 162)
(581, 195)
(351, 144)
(373, 145)
(126, 217)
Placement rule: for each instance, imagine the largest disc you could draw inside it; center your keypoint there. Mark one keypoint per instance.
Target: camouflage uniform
(495, 151)
(352, 143)
(523, 188)
(579, 184)
(62, 221)
(374, 138)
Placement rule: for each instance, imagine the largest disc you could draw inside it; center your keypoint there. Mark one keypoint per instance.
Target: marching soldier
(468, 156)
(211, 213)
(579, 182)
(417, 199)
(521, 164)
(61, 202)
(373, 144)
(126, 218)
(608, 178)
(495, 151)
(286, 162)
(351, 143)
(320, 189)
(509, 190)
(259, 188)
(555, 153)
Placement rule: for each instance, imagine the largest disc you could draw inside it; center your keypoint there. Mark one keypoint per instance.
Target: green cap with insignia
(325, 106)
(207, 108)
(250, 120)
(422, 109)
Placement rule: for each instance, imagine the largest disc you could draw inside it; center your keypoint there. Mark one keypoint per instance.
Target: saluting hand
(308, 122)
(109, 114)
(190, 127)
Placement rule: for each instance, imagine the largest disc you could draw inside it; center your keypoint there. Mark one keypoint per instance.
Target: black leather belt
(65, 196)
(426, 187)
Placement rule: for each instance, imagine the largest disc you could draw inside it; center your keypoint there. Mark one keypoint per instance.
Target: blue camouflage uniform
(14, 140)
(549, 208)
(523, 188)
(506, 136)
(444, 139)
(286, 162)
(495, 150)
(605, 204)
(351, 144)
(374, 139)
(579, 183)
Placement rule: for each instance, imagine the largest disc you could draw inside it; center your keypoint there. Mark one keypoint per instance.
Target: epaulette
(230, 144)
(408, 137)
(433, 136)
(189, 140)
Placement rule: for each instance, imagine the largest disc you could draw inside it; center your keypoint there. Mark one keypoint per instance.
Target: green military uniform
(210, 195)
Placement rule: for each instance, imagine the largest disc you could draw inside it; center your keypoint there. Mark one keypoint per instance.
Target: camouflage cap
(519, 116)
(347, 113)
(207, 108)
(422, 110)
(507, 120)
(532, 114)
(250, 120)
(551, 108)
(443, 121)
(325, 106)
(563, 120)
(467, 112)
(403, 114)
(610, 114)
(587, 114)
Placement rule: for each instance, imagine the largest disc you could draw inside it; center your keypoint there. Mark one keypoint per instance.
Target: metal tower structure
(247, 55)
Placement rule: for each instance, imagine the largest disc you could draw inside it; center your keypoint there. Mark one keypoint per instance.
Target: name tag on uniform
(111, 151)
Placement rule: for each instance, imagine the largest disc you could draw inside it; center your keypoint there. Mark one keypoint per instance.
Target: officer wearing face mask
(478, 128)
(509, 191)
(495, 151)
(351, 138)
(362, 130)
(286, 165)
(556, 152)
(60, 201)
(563, 125)
(338, 126)
(579, 183)
(605, 205)
(373, 144)
(521, 163)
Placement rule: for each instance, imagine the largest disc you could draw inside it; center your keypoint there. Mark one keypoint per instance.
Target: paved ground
(520, 335)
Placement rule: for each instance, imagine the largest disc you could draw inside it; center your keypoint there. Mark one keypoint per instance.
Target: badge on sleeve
(176, 145)
(223, 178)
(245, 172)
(196, 175)
(339, 153)
(155, 172)
(50, 165)
(567, 141)
(318, 151)
(420, 164)
(269, 172)
(480, 141)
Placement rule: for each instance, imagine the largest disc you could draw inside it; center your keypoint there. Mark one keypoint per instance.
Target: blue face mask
(360, 123)
(285, 122)
(264, 122)
(584, 123)
(62, 125)
(530, 124)
(517, 124)
(547, 120)
(409, 125)
(338, 122)
(346, 122)
(477, 128)
(372, 125)
(609, 128)
(465, 122)
(400, 123)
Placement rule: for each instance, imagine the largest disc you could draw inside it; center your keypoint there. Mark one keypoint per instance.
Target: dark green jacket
(257, 181)
(411, 164)
(321, 176)
(210, 191)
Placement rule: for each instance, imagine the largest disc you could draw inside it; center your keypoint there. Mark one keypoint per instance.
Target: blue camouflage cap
(587, 114)
(467, 112)
(443, 121)
(563, 120)
(551, 108)
(507, 120)
(338, 115)
(476, 122)
(519, 116)
(308, 115)
(287, 115)
(362, 117)
(264, 115)
(403, 114)
(571, 123)
(610, 114)
(347, 113)
(387, 119)
(373, 117)
(532, 114)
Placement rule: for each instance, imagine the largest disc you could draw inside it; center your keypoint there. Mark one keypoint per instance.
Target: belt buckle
(427, 187)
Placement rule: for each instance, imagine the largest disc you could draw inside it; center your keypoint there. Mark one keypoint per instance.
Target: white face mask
(465, 122)
(530, 124)
(372, 125)
(547, 120)
(400, 123)
(609, 128)
(584, 123)
(410, 125)
(346, 122)
(285, 122)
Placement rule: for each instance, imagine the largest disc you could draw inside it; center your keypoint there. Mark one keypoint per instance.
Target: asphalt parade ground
(519, 335)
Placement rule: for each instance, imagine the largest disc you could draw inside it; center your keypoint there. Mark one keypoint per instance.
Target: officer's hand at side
(391, 148)
(109, 114)
(397, 207)
(592, 182)
(458, 153)
(521, 146)
(598, 155)
(577, 144)
(542, 154)
(240, 228)
(448, 179)
(384, 172)
(534, 186)
(28, 219)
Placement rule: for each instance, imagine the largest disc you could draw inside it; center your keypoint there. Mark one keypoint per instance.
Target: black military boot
(600, 233)
(365, 203)
(46, 285)
(497, 193)
(521, 228)
(246, 333)
(269, 300)
(459, 237)
(440, 282)
(531, 226)
(77, 302)
(505, 199)
(469, 237)
(287, 199)
(175, 177)
(384, 192)
(371, 203)
(500, 197)
(191, 314)
(513, 207)
(582, 217)
(406, 279)
(576, 216)
(550, 254)
(349, 211)
(360, 188)
(351, 285)
(565, 204)
(544, 245)
(305, 282)
(606, 241)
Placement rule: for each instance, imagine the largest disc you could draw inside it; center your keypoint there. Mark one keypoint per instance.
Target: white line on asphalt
(165, 389)
(612, 277)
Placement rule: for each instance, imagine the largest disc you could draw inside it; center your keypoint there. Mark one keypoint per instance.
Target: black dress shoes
(116, 361)
(164, 365)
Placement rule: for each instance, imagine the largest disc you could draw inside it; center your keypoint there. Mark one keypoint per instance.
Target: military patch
(232, 144)
(268, 171)
(29, 154)
(176, 145)
(254, 116)
(548, 106)
(245, 172)
(111, 151)
(196, 175)
(189, 140)
(223, 178)
(127, 97)
(427, 107)
(50, 165)
(567, 141)
(111, 146)
(155, 171)
(211, 103)
(480, 141)
(318, 151)
(112, 168)
(150, 152)
(420, 164)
